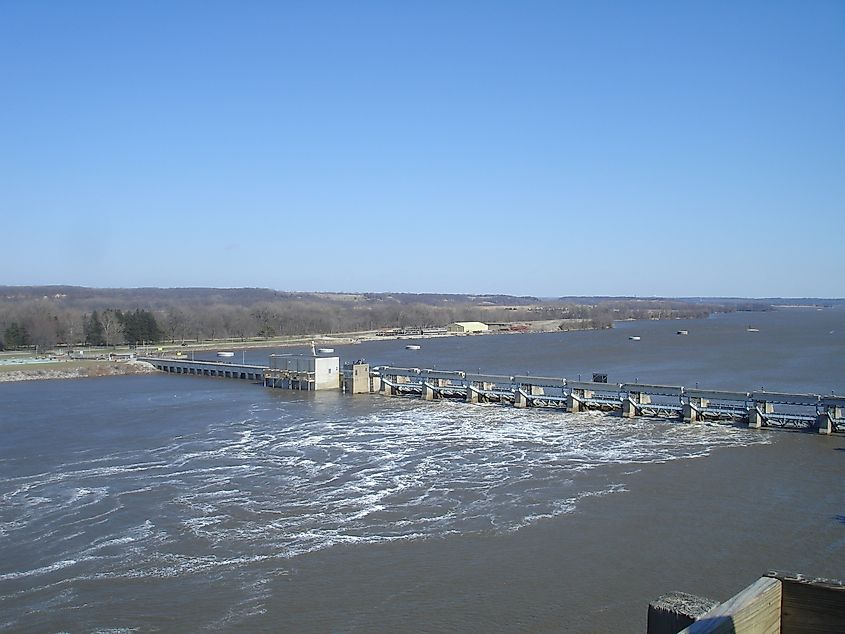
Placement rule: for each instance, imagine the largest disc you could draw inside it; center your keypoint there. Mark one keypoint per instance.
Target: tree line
(53, 320)
(110, 328)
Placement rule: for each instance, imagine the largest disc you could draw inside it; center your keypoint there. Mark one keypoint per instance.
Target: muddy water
(165, 503)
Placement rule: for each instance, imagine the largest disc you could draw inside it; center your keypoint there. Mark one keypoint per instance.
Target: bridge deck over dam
(207, 368)
(294, 372)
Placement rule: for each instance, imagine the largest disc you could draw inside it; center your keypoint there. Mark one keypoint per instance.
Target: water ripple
(273, 486)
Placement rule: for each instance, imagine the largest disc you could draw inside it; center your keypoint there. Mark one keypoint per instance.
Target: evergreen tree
(140, 326)
(16, 336)
(130, 328)
(152, 330)
(93, 330)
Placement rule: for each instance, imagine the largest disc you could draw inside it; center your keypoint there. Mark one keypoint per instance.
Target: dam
(757, 409)
(293, 372)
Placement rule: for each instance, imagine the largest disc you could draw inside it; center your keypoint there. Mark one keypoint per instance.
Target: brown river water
(183, 504)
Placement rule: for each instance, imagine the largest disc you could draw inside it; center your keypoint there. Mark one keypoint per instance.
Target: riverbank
(362, 336)
(58, 365)
(72, 369)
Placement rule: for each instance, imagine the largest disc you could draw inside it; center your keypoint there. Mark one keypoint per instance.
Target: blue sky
(545, 148)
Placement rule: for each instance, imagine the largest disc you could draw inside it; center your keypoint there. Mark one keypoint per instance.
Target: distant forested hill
(153, 298)
(49, 315)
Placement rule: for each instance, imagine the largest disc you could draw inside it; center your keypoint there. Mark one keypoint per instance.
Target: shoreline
(94, 368)
(77, 370)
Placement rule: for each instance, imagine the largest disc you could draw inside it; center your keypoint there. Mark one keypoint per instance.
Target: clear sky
(545, 148)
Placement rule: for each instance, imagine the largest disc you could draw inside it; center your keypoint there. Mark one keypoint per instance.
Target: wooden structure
(776, 603)
(673, 612)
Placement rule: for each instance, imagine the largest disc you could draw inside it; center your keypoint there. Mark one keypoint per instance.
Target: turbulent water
(122, 487)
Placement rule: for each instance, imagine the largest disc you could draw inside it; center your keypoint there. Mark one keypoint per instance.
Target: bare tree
(175, 322)
(112, 328)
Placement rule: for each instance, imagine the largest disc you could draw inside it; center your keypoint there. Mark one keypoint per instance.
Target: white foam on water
(272, 486)
(43, 570)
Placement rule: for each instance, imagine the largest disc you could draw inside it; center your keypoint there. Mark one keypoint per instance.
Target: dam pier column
(693, 408)
(575, 400)
(526, 390)
(757, 414)
(387, 388)
(629, 405)
(428, 392)
(360, 379)
(824, 422)
(825, 417)
(472, 393)
(520, 400)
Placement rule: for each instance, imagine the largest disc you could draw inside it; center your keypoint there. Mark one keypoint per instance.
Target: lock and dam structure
(757, 410)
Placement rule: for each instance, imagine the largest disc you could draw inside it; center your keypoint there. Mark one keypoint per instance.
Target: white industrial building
(303, 372)
(466, 327)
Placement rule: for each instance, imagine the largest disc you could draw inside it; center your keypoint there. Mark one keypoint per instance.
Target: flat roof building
(464, 327)
(303, 372)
